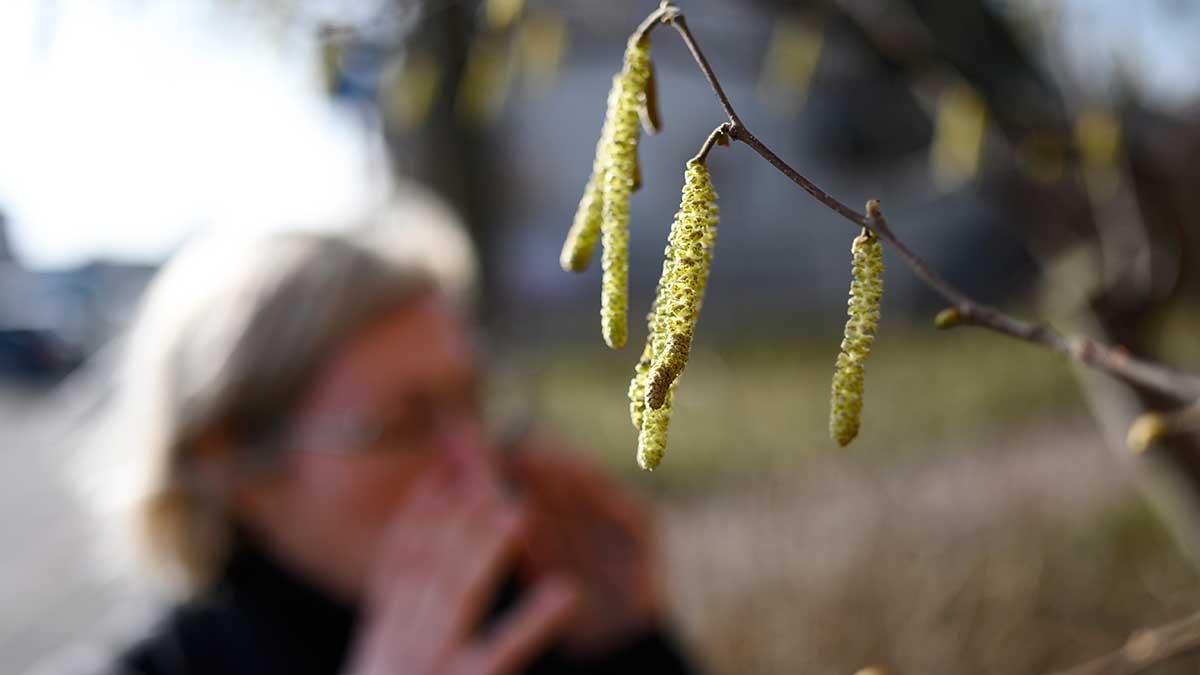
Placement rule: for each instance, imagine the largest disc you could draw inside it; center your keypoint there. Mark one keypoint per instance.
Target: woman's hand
(446, 550)
(583, 526)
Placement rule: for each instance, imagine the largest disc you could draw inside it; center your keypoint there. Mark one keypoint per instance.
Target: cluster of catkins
(603, 212)
(603, 216)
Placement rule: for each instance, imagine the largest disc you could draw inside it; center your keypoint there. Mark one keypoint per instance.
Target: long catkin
(580, 243)
(651, 423)
(866, 290)
(690, 249)
(637, 385)
(620, 166)
(687, 260)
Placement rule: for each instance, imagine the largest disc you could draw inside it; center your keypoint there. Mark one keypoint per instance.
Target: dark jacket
(263, 620)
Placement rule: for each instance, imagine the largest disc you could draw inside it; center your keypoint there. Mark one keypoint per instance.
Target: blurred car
(36, 353)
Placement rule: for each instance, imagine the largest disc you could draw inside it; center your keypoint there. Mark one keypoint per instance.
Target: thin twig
(656, 17)
(720, 135)
(1146, 649)
(1112, 360)
(675, 18)
(741, 133)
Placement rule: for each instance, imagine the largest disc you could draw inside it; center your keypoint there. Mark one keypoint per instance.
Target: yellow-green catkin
(641, 372)
(580, 244)
(637, 385)
(650, 423)
(690, 249)
(619, 152)
(652, 438)
(584, 234)
(866, 289)
(653, 422)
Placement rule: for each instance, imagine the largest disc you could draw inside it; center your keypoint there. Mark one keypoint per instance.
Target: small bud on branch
(947, 318)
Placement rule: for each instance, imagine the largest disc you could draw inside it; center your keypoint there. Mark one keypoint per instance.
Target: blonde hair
(229, 335)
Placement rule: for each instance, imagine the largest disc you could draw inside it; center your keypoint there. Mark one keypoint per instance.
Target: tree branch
(1146, 649)
(964, 310)
(677, 21)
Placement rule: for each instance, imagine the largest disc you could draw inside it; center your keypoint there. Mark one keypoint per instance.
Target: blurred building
(6, 254)
(50, 321)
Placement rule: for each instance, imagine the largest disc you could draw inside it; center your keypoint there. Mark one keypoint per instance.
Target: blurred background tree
(1042, 155)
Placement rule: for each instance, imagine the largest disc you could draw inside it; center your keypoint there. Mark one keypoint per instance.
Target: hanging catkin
(637, 385)
(641, 372)
(652, 439)
(584, 234)
(620, 164)
(630, 91)
(866, 289)
(683, 281)
(687, 260)
(651, 423)
(580, 244)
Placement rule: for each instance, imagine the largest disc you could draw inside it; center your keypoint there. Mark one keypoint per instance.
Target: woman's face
(397, 400)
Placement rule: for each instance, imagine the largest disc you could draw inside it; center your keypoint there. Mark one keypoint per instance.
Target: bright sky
(127, 126)
(1152, 43)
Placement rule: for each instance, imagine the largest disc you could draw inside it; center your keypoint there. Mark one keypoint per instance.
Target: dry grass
(967, 530)
(1022, 557)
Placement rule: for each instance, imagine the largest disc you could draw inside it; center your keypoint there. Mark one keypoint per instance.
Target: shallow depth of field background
(1043, 155)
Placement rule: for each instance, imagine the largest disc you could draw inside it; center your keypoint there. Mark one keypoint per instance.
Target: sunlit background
(1044, 155)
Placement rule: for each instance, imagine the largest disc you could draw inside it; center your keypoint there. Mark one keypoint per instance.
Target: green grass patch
(744, 407)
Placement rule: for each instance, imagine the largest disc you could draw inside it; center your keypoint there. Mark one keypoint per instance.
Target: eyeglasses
(412, 426)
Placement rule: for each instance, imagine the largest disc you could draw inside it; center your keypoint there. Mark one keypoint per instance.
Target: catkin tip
(652, 437)
(580, 244)
(615, 337)
(652, 440)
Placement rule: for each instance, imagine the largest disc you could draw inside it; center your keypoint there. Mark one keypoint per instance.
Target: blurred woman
(323, 487)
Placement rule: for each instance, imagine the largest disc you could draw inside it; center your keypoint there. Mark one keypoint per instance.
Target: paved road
(60, 610)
